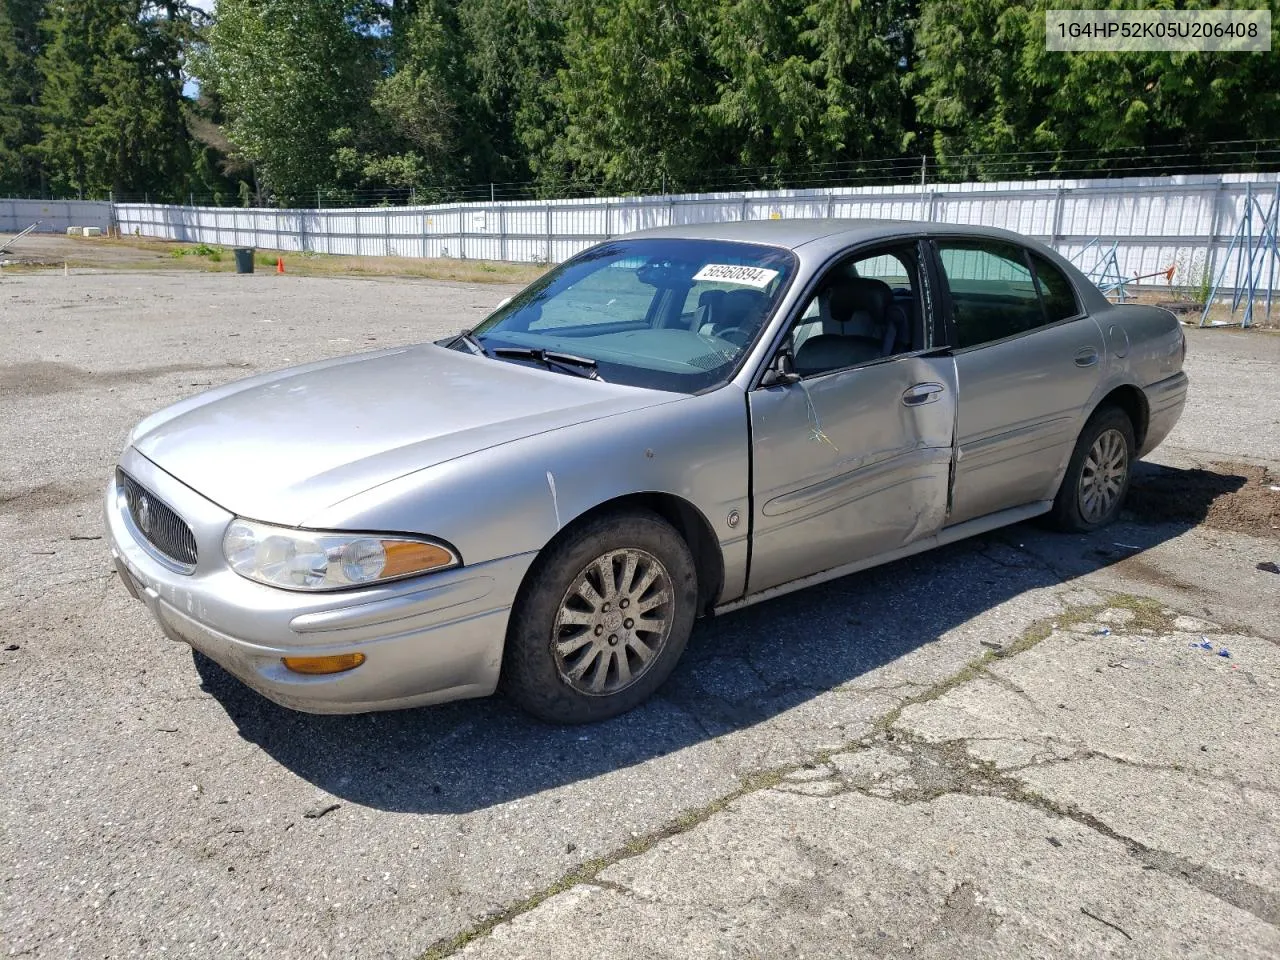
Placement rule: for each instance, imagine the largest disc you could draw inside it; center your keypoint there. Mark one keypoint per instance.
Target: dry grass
(137, 253)
(467, 271)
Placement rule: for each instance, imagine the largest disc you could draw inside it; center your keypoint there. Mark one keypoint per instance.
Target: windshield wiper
(472, 343)
(565, 362)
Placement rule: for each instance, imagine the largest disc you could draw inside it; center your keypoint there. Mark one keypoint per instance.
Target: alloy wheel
(1103, 475)
(613, 622)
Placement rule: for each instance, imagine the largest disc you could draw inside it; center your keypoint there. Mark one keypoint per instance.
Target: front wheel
(602, 619)
(1097, 478)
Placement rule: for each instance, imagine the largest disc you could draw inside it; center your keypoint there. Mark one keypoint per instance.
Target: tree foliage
(282, 101)
(295, 77)
(426, 107)
(514, 51)
(19, 93)
(989, 86)
(811, 82)
(110, 103)
(633, 93)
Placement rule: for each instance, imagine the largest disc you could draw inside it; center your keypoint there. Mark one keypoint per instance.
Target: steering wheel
(738, 336)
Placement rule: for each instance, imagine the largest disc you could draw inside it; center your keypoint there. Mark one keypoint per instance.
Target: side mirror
(782, 372)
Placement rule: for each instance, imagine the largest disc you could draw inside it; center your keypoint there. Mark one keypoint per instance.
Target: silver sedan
(670, 425)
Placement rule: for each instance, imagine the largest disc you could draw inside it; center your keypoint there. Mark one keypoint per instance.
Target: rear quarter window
(1055, 289)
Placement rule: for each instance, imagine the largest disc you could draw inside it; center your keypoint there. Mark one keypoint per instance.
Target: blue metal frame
(1256, 257)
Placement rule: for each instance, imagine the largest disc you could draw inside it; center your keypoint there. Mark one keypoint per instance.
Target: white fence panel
(1154, 221)
(54, 216)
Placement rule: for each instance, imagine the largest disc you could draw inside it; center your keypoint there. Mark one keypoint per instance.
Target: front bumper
(425, 640)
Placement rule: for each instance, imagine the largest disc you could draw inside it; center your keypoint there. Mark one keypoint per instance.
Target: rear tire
(1097, 478)
(601, 620)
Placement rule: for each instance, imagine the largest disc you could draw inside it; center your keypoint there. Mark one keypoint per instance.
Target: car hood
(283, 446)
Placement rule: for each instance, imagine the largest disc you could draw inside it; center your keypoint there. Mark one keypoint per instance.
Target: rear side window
(1055, 290)
(993, 294)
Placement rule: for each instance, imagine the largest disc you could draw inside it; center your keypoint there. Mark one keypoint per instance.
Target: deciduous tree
(291, 75)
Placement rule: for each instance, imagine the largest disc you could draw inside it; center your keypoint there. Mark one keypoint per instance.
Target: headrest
(859, 295)
(743, 306)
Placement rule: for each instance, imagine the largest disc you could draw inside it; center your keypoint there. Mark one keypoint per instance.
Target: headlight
(313, 560)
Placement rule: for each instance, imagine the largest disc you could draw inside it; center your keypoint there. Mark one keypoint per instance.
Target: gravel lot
(848, 771)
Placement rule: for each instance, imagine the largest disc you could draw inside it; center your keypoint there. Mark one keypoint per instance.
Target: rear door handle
(922, 393)
(1086, 357)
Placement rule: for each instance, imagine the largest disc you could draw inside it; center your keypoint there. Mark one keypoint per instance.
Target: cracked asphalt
(1018, 745)
(1056, 801)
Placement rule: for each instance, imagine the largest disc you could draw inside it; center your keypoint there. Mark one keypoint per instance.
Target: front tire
(601, 620)
(1097, 478)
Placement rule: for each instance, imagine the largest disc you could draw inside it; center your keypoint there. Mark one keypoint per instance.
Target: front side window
(993, 294)
(865, 309)
(667, 314)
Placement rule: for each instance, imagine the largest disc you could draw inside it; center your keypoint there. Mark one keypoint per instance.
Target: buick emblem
(144, 515)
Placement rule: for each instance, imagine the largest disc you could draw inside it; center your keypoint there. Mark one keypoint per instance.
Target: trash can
(244, 259)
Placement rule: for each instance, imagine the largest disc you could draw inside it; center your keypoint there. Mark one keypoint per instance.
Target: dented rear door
(849, 465)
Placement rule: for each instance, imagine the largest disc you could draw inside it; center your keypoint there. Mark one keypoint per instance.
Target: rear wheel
(602, 619)
(1097, 478)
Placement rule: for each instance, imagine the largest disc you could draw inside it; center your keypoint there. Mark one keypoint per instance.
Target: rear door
(852, 462)
(1027, 360)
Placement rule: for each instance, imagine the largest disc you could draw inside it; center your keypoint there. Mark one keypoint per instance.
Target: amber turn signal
(409, 556)
(338, 663)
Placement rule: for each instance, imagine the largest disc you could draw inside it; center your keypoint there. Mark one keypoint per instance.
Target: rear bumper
(1165, 401)
(425, 640)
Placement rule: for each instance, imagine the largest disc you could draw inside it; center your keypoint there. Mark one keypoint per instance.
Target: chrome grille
(157, 522)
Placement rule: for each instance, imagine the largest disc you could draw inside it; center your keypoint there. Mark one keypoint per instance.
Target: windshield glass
(664, 314)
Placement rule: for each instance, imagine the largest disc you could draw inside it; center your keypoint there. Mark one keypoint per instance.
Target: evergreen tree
(633, 96)
(515, 51)
(369, 98)
(19, 94)
(811, 81)
(218, 171)
(111, 103)
(989, 87)
(425, 133)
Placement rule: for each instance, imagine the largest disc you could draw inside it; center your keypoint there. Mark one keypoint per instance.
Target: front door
(853, 460)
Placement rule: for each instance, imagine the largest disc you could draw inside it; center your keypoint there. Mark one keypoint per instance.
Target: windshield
(664, 314)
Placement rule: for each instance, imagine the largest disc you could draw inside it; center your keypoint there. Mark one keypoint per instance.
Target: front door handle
(1086, 357)
(922, 393)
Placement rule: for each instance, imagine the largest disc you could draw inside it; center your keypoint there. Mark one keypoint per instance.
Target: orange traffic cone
(279, 264)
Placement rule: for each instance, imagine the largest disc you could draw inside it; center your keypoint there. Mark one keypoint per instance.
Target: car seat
(860, 322)
(720, 311)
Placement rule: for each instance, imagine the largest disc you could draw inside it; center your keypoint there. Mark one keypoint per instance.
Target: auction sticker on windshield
(746, 276)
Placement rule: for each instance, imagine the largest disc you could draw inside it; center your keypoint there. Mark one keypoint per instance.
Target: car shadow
(739, 670)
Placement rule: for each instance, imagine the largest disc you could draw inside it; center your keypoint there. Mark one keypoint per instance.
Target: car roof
(816, 240)
(796, 233)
